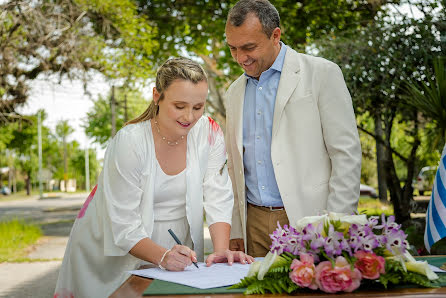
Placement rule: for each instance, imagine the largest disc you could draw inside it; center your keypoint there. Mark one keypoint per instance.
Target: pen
(178, 242)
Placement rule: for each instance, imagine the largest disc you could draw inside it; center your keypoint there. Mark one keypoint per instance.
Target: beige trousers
(260, 223)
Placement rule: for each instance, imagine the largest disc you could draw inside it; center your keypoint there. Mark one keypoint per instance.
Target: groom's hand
(237, 244)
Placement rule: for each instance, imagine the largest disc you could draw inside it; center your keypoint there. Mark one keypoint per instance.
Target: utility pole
(87, 169)
(39, 134)
(113, 111)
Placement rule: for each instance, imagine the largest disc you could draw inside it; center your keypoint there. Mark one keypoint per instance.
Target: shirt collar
(278, 63)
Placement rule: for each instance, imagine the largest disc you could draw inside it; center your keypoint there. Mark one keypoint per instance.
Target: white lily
(254, 268)
(421, 267)
(315, 220)
(360, 219)
(266, 263)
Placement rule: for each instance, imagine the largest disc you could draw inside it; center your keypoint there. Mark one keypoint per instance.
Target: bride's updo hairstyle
(171, 70)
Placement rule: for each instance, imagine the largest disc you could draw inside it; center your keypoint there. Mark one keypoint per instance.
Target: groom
(293, 145)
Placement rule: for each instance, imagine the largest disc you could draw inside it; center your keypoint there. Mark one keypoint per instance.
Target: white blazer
(121, 211)
(315, 148)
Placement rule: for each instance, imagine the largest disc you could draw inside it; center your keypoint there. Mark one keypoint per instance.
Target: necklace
(170, 143)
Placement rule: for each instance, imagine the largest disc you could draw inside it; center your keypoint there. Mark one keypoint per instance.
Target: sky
(66, 101)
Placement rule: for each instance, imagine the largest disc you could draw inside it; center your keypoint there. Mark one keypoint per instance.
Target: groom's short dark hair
(263, 9)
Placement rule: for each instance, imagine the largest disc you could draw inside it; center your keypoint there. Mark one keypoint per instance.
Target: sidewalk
(38, 279)
(56, 216)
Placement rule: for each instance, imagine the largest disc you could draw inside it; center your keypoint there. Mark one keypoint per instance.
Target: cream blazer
(315, 148)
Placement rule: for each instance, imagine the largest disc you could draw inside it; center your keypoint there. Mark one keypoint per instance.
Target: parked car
(425, 179)
(367, 191)
(4, 190)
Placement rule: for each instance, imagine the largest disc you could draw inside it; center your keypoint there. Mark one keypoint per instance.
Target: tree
(77, 163)
(197, 26)
(69, 38)
(130, 104)
(376, 64)
(63, 130)
(24, 142)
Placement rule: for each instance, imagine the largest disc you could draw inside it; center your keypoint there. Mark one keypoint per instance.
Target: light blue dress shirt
(258, 112)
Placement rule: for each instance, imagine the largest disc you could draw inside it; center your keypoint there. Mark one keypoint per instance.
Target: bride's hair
(173, 69)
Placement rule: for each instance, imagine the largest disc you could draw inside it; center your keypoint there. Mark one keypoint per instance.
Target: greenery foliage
(385, 54)
(22, 152)
(69, 38)
(16, 236)
(197, 27)
(429, 98)
(395, 274)
(130, 104)
(275, 281)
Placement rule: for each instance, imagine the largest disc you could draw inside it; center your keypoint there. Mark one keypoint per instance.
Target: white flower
(266, 263)
(350, 219)
(421, 267)
(254, 268)
(315, 220)
(409, 263)
(342, 217)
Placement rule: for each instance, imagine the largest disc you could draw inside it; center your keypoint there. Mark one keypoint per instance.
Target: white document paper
(436, 269)
(217, 275)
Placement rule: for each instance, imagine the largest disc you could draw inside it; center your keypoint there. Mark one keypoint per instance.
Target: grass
(16, 235)
(374, 207)
(21, 195)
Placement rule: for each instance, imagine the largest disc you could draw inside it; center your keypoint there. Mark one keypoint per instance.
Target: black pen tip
(195, 263)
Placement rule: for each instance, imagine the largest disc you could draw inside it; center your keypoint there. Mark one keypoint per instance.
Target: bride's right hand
(178, 258)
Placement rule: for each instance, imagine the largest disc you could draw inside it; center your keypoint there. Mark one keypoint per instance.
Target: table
(135, 286)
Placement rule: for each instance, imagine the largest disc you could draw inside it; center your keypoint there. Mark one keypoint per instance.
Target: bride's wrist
(162, 259)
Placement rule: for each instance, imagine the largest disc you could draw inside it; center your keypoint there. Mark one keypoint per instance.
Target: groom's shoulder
(237, 83)
(314, 62)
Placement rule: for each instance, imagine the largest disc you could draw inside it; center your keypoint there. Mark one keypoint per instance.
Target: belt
(268, 208)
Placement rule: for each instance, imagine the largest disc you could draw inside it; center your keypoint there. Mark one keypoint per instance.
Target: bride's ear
(156, 95)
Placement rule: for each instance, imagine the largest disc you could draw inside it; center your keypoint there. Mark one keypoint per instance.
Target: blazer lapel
(289, 80)
(238, 102)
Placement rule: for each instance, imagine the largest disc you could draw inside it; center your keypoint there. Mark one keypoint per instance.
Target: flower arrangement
(337, 253)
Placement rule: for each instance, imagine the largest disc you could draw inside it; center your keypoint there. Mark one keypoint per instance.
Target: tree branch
(381, 141)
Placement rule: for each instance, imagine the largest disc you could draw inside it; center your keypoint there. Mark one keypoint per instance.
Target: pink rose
(339, 278)
(303, 271)
(370, 265)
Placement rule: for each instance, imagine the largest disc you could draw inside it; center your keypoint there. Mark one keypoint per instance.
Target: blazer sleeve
(236, 227)
(341, 139)
(217, 187)
(122, 192)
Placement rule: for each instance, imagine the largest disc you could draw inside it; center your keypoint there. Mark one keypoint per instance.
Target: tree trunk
(401, 206)
(380, 155)
(401, 197)
(28, 183)
(14, 181)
